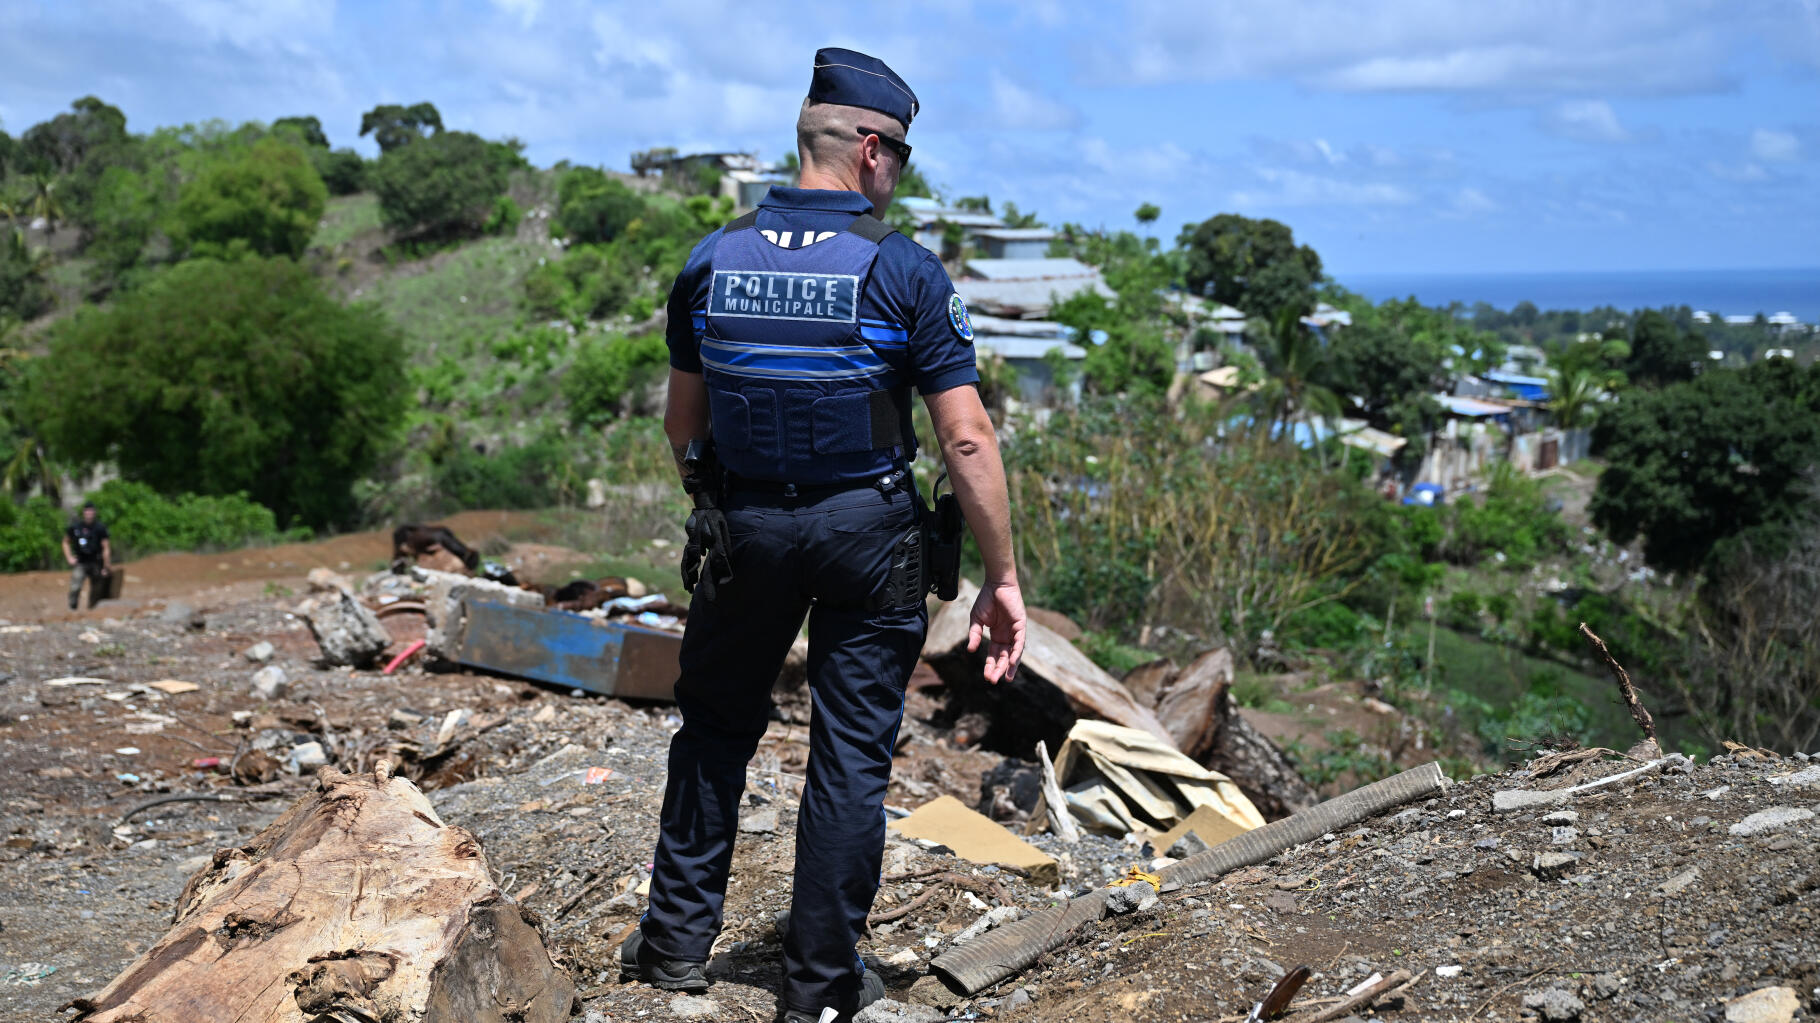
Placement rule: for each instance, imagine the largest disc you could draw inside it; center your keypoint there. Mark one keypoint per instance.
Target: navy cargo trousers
(839, 559)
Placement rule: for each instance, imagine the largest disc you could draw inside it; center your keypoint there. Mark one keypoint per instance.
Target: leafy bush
(265, 199)
(592, 208)
(442, 186)
(1540, 712)
(222, 378)
(141, 521)
(1514, 519)
(1328, 626)
(1462, 610)
(1104, 583)
(342, 171)
(608, 372)
(23, 293)
(590, 282)
(30, 535)
(504, 218)
(536, 475)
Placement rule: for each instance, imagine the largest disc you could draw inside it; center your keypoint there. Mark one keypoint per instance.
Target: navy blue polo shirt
(908, 298)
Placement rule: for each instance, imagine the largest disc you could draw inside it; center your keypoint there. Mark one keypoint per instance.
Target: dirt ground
(1658, 912)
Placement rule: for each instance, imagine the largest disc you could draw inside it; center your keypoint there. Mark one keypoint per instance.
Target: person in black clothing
(90, 554)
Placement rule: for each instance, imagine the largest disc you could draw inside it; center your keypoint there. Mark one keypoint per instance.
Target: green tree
(592, 207)
(394, 126)
(1697, 463)
(443, 186)
(45, 204)
(9, 154)
(1014, 217)
(1147, 214)
(225, 377)
(1297, 363)
(124, 216)
(1573, 397)
(265, 199)
(912, 185)
(1661, 353)
(307, 130)
(1253, 265)
(23, 294)
(65, 142)
(608, 373)
(342, 170)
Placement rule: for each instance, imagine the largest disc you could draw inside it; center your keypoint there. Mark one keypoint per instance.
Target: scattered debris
(259, 652)
(1773, 819)
(173, 687)
(973, 836)
(1555, 1005)
(271, 683)
(1764, 1005)
(1120, 780)
(348, 632)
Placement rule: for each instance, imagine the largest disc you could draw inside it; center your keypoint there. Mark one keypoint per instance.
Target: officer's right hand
(1000, 612)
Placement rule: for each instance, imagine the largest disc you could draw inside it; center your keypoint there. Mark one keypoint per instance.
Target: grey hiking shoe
(636, 962)
(871, 989)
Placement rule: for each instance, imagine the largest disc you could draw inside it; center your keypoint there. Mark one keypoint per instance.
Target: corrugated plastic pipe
(1003, 952)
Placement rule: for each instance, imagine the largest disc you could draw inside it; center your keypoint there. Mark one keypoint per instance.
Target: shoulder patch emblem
(957, 317)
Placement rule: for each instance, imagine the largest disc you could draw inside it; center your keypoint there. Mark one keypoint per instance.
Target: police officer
(90, 554)
(796, 335)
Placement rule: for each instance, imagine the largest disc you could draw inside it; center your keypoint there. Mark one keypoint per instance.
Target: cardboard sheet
(976, 837)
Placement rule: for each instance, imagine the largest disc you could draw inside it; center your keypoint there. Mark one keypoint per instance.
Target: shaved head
(838, 152)
(827, 132)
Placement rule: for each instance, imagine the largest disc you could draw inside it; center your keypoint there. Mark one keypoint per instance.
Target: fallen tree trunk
(1256, 764)
(356, 904)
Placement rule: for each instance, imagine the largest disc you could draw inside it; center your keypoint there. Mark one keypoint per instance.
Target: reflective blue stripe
(880, 323)
(784, 362)
(699, 317)
(883, 377)
(886, 335)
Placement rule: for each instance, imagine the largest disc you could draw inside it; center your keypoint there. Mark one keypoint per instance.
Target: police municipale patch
(957, 317)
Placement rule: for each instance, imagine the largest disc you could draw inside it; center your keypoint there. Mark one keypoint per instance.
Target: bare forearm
(686, 414)
(978, 475)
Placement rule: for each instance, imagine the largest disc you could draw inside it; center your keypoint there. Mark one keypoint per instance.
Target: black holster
(943, 529)
(707, 556)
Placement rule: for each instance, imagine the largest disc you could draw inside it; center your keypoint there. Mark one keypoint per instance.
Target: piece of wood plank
(1189, 704)
(356, 904)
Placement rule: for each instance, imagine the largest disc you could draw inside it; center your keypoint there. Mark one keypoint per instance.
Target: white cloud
(1018, 108)
(1300, 188)
(1745, 173)
(1774, 146)
(1512, 47)
(1585, 120)
(525, 11)
(1473, 202)
(255, 24)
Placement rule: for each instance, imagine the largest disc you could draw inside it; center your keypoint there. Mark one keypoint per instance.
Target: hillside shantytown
(1394, 657)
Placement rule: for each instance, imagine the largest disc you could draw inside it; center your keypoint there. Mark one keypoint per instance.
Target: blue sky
(1399, 135)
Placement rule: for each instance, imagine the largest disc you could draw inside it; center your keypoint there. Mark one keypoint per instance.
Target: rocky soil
(1658, 899)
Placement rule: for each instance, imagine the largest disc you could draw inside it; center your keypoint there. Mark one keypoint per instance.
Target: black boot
(636, 962)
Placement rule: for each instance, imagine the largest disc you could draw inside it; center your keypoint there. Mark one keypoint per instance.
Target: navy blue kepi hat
(852, 79)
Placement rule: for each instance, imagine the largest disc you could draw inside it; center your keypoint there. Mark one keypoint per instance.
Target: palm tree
(44, 202)
(1573, 397)
(1293, 356)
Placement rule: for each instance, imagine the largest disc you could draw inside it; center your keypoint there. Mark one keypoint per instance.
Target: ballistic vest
(801, 388)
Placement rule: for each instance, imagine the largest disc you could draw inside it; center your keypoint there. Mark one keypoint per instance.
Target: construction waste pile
(429, 817)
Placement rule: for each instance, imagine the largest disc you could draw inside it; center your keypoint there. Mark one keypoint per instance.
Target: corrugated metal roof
(1029, 269)
(1026, 347)
(1018, 234)
(1470, 406)
(1020, 299)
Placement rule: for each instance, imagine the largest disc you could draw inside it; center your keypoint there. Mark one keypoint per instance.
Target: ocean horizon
(1721, 292)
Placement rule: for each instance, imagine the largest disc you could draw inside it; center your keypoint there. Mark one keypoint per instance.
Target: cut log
(1189, 705)
(1056, 684)
(1146, 681)
(1256, 764)
(356, 904)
